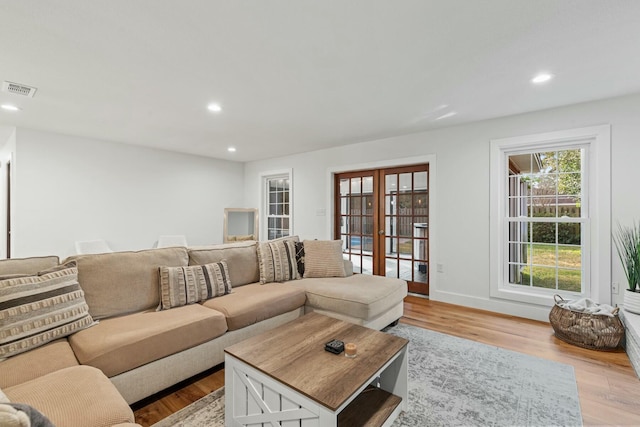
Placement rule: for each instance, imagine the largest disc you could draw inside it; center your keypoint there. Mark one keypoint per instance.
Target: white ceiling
(300, 75)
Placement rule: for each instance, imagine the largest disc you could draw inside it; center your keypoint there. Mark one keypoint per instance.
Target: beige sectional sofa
(92, 376)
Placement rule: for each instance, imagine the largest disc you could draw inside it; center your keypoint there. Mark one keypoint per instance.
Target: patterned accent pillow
(277, 261)
(21, 414)
(188, 285)
(35, 310)
(323, 258)
(300, 258)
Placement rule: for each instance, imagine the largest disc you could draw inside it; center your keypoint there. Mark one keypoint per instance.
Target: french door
(382, 218)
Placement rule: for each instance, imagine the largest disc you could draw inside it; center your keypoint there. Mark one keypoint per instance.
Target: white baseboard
(527, 311)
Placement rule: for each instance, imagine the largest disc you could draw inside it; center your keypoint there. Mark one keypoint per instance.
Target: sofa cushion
(123, 343)
(187, 285)
(253, 303)
(241, 258)
(119, 283)
(361, 295)
(35, 310)
(277, 261)
(323, 258)
(40, 361)
(27, 266)
(79, 396)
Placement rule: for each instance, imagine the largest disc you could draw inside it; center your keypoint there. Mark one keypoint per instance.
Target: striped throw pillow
(323, 258)
(187, 285)
(277, 261)
(35, 310)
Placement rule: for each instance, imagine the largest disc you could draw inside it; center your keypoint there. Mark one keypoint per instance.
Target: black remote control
(334, 346)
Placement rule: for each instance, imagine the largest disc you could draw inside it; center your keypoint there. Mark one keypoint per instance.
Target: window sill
(532, 296)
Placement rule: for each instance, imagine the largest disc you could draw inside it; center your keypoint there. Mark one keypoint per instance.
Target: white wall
(7, 150)
(461, 233)
(70, 188)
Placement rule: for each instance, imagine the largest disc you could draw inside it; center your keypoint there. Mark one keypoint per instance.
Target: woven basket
(595, 332)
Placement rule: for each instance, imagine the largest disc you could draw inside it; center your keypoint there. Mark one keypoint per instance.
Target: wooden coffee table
(284, 377)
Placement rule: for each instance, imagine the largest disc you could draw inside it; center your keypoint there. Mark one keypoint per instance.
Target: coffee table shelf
(372, 407)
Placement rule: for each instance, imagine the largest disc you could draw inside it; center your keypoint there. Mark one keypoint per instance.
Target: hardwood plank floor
(607, 384)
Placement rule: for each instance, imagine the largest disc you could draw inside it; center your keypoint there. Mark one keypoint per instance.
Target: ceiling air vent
(18, 89)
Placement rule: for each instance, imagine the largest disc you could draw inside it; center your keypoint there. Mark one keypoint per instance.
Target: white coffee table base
(253, 398)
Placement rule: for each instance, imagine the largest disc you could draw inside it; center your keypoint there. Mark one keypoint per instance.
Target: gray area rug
(206, 412)
(456, 382)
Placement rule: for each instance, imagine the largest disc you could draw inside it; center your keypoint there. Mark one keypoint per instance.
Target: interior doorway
(382, 218)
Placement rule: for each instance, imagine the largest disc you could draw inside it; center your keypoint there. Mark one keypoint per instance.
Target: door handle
(381, 232)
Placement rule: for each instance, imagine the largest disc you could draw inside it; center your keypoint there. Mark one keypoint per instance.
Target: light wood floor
(608, 387)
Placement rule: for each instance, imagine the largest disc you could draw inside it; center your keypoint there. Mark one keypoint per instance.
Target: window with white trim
(547, 219)
(548, 214)
(277, 198)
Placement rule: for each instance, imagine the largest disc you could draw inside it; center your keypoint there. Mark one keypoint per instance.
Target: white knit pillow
(323, 258)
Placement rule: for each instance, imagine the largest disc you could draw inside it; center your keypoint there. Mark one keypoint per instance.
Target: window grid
(546, 220)
(278, 207)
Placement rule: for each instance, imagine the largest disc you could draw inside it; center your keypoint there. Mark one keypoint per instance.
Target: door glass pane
(405, 247)
(405, 182)
(405, 204)
(420, 249)
(356, 185)
(420, 273)
(422, 222)
(355, 205)
(344, 187)
(344, 205)
(405, 226)
(367, 204)
(406, 270)
(390, 205)
(391, 246)
(391, 184)
(357, 264)
(354, 225)
(367, 264)
(391, 267)
(367, 225)
(420, 181)
(420, 204)
(391, 226)
(367, 185)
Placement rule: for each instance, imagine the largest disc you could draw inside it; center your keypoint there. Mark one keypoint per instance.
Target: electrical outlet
(615, 289)
(440, 268)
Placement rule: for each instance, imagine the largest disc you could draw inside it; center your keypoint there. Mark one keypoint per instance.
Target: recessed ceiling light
(9, 107)
(541, 78)
(231, 149)
(444, 116)
(216, 108)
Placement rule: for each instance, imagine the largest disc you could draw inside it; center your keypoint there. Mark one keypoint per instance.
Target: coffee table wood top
(294, 355)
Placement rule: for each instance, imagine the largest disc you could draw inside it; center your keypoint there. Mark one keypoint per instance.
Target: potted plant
(627, 241)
